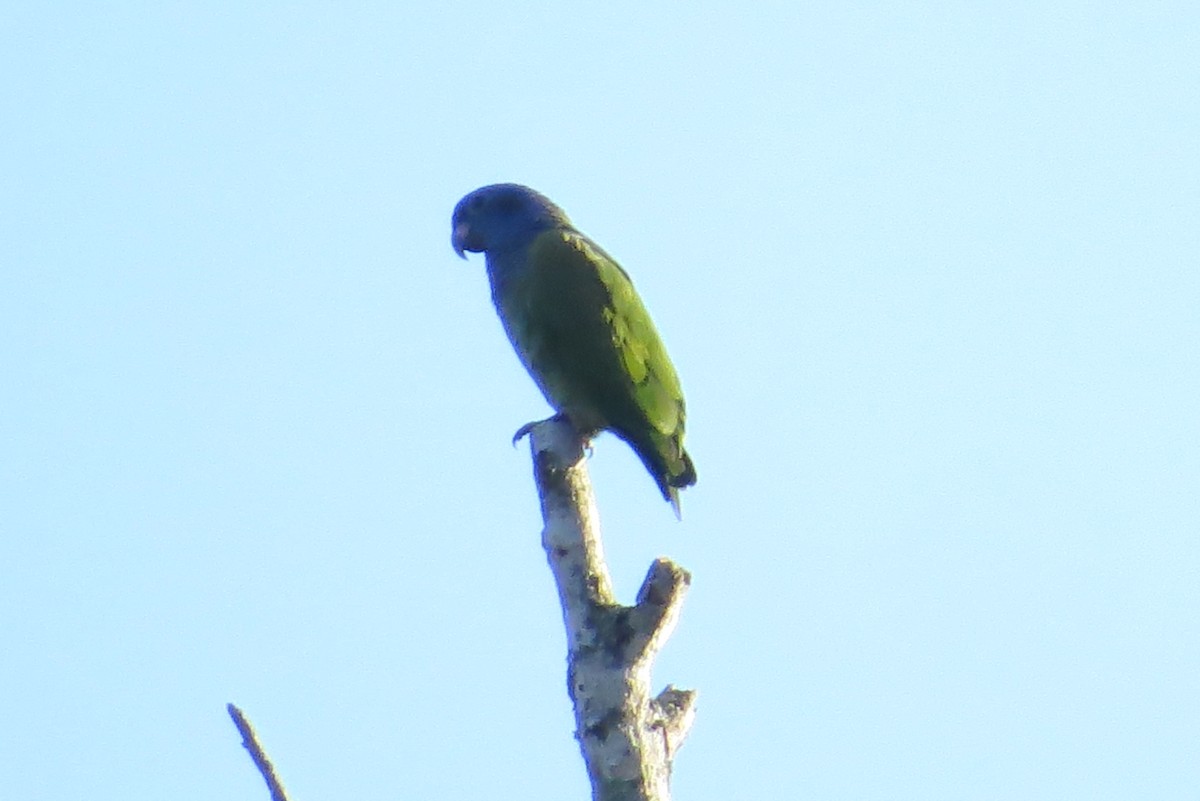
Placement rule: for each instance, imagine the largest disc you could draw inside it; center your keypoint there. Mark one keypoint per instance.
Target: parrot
(578, 326)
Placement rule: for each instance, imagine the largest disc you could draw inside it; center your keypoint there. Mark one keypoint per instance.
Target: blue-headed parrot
(578, 326)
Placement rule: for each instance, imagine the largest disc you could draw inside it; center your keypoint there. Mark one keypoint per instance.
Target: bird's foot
(524, 430)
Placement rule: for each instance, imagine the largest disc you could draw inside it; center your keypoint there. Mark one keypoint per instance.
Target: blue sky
(928, 273)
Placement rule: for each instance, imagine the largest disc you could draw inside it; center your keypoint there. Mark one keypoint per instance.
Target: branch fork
(628, 739)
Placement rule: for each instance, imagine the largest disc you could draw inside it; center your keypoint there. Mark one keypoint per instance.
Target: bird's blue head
(502, 218)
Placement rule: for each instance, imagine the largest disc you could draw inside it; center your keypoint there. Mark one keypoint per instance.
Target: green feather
(587, 339)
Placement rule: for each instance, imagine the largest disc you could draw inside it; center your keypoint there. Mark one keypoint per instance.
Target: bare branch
(628, 740)
(261, 761)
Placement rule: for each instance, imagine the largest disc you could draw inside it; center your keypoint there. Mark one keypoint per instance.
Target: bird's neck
(504, 268)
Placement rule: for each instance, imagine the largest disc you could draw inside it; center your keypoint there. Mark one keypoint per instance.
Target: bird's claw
(525, 430)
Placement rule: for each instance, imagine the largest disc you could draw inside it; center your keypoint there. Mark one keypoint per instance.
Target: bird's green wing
(589, 342)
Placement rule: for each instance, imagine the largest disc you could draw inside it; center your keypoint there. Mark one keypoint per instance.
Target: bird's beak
(459, 239)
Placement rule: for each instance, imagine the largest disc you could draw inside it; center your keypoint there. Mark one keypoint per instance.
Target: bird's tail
(671, 483)
(667, 461)
(673, 496)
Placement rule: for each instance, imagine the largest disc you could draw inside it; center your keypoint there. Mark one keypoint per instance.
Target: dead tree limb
(261, 761)
(628, 738)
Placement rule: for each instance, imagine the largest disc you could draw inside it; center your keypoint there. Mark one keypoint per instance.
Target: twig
(628, 739)
(261, 761)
